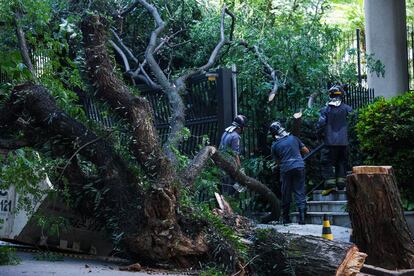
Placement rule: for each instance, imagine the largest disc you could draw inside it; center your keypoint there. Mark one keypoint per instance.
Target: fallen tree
(153, 229)
(151, 222)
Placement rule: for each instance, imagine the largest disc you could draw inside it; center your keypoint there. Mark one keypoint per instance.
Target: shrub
(385, 130)
(8, 256)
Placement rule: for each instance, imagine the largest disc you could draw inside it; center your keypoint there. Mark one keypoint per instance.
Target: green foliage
(385, 130)
(347, 14)
(207, 183)
(8, 256)
(24, 169)
(12, 66)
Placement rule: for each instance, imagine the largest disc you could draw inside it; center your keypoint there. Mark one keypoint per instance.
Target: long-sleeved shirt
(333, 121)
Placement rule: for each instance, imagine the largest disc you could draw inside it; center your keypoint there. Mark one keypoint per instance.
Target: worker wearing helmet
(287, 149)
(333, 127)
(230, 142)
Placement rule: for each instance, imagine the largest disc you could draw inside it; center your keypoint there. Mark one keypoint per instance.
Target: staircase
(333, 205)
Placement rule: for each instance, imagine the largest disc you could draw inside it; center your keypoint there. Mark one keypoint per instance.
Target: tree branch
(177, 106)
(255, 49)
(311, 99)
(199, 162)
(124, 47)
(140, 69)
(122, 54)
(197, 165)
(172, 89)
(180, 82)
(23, 45)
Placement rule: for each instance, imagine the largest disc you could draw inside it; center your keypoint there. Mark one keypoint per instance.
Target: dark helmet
(336, 91)
(240, 121)
(276, 129)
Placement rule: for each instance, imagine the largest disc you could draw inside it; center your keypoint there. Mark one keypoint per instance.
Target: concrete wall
(385, 28)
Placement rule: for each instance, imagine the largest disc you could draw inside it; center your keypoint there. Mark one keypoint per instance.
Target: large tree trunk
(136, 110)
(378, 222)
(290, 254)
(162, 237)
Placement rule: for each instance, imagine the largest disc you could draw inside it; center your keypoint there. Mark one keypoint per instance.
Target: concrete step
(327, 206)
(335, 218)
(334, 196)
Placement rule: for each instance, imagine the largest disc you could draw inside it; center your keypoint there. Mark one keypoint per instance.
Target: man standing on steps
(230, 143)
(287, 149)
(333, 127)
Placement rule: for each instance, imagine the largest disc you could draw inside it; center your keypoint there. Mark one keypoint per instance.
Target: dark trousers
(334, 160)
(293, 181)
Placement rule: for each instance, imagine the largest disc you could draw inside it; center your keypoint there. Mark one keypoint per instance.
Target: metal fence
(359, 96)
(410, 55)
(254, 142)
(201, 113)
(352, 49)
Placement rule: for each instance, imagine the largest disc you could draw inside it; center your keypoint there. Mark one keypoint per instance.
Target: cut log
(290, 254)
(378, 222)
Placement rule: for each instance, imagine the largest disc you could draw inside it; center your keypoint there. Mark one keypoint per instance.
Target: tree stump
(378, 222)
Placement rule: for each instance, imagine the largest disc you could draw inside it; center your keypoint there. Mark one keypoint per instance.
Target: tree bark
(146, 146)
(290, 254)
(378, 222)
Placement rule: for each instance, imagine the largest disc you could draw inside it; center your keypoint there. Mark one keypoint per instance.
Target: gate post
(225, 100)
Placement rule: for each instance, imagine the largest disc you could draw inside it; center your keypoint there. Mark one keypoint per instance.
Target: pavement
(29, 266)
(339, 233)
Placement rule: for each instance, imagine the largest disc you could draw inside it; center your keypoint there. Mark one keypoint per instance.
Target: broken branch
(199, 162)
(180, 82)
(255, 49)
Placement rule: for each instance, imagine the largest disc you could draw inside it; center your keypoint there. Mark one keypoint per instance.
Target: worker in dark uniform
(287, 149)
(333, 127)
(230, 143)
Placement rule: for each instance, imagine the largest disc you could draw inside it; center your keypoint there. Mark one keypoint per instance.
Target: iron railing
(410, 55)
(352, 49)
